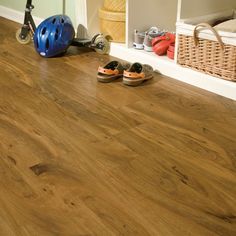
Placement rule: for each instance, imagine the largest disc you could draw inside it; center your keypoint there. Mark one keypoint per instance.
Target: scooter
(99, 42)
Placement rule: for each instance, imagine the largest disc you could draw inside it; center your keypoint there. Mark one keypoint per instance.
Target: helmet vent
(44, 30)
(47, 44)
(56, 36)
(62, 21)
(54, 20)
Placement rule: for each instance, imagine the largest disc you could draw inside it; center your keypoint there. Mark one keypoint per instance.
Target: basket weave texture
(113, 24)
(210, 57)
(112, 19)
(115, 5)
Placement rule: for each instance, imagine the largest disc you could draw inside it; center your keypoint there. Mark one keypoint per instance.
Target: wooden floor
(79, 157)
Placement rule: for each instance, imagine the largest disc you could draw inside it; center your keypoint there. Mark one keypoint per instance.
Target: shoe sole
(138, 46)
(135, 82)
(148, 49)
(108, 79)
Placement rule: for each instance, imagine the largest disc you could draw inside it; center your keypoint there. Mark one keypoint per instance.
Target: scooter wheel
(102, 41)
(20, 40)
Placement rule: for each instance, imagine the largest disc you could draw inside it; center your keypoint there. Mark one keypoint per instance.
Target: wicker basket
(115, 5)
(211, 57)
(113, 24)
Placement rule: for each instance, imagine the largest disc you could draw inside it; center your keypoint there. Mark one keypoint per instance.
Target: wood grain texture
(79, 157)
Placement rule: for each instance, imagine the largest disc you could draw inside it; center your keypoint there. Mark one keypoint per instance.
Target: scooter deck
(81, 42)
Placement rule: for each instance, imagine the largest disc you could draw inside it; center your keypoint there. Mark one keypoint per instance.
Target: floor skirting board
(16, 16)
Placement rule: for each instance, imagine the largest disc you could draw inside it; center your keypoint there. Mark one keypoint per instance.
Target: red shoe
(161, 44)
(171, 51)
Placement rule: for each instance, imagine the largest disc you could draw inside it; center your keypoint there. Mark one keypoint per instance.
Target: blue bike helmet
(54, 35)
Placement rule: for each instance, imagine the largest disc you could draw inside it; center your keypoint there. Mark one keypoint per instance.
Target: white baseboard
(16, 16)
(169, 68)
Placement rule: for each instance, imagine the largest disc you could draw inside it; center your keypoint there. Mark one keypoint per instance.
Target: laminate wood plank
(78, 157)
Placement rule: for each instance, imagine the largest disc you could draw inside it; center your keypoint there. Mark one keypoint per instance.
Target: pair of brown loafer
(133, 74)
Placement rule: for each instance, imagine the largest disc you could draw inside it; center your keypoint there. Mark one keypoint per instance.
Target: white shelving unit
(163, 13)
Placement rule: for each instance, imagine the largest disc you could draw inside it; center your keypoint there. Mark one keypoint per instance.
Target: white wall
(192, 8)
(144, 14)
(43, 8)
(93, 18)
(148, 13)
